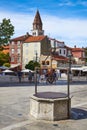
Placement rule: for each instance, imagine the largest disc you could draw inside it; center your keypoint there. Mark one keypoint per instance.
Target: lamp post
(68, 84)
(36, 75)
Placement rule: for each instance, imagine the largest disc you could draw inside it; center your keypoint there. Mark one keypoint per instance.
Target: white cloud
(72, 28)
(66, 3)
(68, 30)
(21, 22)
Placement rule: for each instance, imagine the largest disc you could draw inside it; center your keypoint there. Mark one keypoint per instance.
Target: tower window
(34, 33)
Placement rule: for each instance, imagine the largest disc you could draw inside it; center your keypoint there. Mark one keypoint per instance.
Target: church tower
(37, 25)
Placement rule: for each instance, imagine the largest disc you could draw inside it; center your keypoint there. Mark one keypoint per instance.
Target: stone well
(51, 106)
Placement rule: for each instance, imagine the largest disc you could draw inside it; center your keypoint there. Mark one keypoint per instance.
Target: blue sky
(64, 20)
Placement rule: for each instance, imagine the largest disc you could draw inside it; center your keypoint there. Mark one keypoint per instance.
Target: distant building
(78, 55)
(16, 50)
(60, 53)
(36, 45)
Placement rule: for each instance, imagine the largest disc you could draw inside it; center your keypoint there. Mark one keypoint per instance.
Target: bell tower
(37, 25)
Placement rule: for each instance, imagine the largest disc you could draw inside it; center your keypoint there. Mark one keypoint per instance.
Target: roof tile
(20, 38)
(34, 39)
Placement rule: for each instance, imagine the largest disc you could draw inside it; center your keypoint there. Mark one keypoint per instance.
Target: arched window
(47, 62)
(43, 62)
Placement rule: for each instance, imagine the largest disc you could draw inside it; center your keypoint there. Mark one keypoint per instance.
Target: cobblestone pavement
(14, 106)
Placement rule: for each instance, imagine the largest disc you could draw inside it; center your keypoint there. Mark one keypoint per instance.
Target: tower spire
(37, 25)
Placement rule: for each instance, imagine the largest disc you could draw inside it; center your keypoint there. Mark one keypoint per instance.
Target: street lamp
(68, 84)
(36, 75)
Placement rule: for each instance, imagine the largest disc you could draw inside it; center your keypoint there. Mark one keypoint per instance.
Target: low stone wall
(9, 78)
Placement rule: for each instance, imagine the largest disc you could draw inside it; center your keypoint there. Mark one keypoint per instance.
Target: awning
(26, 70)
(14, 65)
(84, 70)
(77, 68)
(8, 71)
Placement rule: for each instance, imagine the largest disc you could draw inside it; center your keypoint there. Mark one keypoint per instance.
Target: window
(47, 62)
(12, 50)
(12, 42)
(43, 62)
(60, 51)
(34, 33)
(18, 59)
(12, 59)
(64, 51)
(18, 43)
(18, 51)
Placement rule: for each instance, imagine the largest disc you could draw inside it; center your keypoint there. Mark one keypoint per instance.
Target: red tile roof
(20, 38)
(59, 58)
(34, 39)
(77, 49)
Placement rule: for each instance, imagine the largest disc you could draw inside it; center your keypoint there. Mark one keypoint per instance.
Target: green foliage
(6, 64)
(1, 48)
(6, 31)
(32, 64)
(4, 58)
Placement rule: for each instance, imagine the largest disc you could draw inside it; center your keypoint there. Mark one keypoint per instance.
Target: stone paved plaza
(14, 106)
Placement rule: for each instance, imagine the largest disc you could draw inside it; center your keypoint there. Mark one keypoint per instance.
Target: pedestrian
(19, 75)
(30, 76)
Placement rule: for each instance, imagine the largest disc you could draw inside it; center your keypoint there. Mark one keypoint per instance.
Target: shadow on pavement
(78, 114)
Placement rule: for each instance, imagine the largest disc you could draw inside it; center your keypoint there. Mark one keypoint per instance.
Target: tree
(6, 64)
(4, 58)
(32, 64)
(6, 31)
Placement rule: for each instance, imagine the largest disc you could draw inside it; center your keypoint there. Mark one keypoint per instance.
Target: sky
(64, 20)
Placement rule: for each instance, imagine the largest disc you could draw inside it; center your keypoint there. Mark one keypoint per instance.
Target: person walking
(19, 75)
(30, 76)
